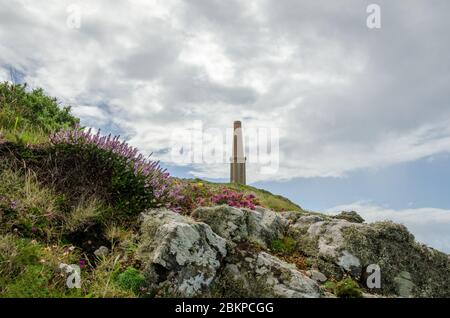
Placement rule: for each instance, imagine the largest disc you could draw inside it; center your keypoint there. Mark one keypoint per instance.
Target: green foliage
(28, 116)
(347, 288)
(89, 170)
(131, 279)
(265, 198)
(285, 245)
(15, 254)
(29, 269)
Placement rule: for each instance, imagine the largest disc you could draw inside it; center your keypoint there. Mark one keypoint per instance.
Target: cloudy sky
(362, 115)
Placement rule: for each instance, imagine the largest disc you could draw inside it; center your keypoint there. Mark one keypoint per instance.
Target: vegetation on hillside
(29, 116)
(199, 192)
(65, 191)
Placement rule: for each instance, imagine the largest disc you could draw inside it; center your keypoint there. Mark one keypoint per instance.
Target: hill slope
(72, 198)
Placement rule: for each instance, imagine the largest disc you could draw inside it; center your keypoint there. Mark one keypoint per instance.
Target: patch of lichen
(237, 279)
(306, 244)
(394, 249)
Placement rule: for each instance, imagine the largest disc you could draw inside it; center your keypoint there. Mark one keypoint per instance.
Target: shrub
(194, 195)
(197, 194)
(132, 182)
(28, 116)
(235, 199)
(347, 288)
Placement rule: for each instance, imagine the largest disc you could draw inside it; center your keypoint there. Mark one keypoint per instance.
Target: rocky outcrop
(259, 274)
(339, 247)
(259, 226)
(187, 258)
(181, 256)
(227, 252)
(350, 216)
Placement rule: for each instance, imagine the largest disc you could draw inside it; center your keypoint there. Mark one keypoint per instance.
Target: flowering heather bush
(198, 194)
(138, 181)
(193, 196)
(235, 199)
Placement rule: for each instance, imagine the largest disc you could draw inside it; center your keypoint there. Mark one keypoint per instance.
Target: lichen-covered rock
(250, 274)
(316, 275)
(260, 226)
(224, 252)
(337, 246)
(321, 238)
(350, 216)
(401, 259)
(181, 255)
(228, 222)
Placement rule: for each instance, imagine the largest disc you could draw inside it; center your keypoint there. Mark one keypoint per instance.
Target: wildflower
(13, 205)
(82, 263)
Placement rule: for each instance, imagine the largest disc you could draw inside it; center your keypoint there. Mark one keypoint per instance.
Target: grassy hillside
(65, 192)
(265, 198)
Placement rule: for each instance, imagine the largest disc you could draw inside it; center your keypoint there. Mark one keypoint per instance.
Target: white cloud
(429, 225)
(344, 97)
(90, 112)
(4, 75)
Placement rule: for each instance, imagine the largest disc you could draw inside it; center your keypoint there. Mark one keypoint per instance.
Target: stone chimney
(237, 165)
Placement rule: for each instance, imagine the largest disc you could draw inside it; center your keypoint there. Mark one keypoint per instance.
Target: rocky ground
(229, 252)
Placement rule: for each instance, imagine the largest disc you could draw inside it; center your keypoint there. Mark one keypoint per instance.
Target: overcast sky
(347, 100)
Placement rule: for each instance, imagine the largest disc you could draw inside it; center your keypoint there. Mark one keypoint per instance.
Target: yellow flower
(200, 184)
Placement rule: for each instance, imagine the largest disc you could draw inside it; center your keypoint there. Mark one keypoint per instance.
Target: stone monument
(237, 165)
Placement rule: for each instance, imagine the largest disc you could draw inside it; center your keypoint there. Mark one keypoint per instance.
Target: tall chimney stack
(237, 166)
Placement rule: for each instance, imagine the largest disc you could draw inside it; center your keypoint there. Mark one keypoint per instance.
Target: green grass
(27, 207)
(285, 245)
(131, 279)
(30, 269)
(34, 223)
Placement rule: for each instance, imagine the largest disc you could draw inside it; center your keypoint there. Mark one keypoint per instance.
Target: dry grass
(102, 278)
(86, 211)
